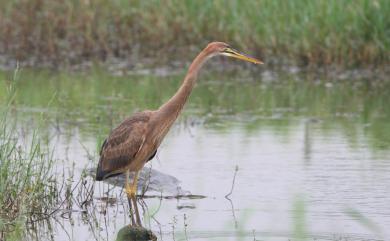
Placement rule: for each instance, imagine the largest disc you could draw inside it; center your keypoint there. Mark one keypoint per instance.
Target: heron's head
(220, 48)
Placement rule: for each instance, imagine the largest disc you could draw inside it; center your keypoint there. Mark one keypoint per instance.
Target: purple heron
(135, 141)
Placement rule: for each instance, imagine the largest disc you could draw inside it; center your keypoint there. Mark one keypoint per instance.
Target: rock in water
(135, 233)
(149, 180)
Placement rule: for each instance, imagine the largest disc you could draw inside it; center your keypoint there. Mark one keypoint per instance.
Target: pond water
(309, 156)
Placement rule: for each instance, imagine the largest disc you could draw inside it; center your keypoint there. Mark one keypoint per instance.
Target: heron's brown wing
(122, 145)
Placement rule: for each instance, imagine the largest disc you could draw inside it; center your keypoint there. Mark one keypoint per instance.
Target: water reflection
(135, 231)
(94, 103)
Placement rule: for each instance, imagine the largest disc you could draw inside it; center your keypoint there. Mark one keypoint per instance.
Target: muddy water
(310, 157)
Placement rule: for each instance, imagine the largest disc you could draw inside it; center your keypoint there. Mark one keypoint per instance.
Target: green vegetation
(339, 32)
(27, 189)
(299, 219)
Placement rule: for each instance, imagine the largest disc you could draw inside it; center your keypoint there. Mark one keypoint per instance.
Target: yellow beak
(233, 53)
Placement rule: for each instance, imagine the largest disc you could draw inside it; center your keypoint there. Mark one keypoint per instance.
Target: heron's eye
(227, 50)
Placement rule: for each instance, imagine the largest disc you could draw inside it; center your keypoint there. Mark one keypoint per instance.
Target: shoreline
(127, 66)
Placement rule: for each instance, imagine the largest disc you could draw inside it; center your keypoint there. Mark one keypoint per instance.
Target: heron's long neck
(171, 109)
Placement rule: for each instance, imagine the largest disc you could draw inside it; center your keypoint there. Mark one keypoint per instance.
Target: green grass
(27, 187)
(339, 32)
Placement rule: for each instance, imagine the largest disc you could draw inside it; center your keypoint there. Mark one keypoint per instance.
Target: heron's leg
(127, 184)
(131, 190)
(136, 212)
(133, 223)
(135, 182)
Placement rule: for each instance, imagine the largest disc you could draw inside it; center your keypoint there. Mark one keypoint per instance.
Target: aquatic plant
(28, 189)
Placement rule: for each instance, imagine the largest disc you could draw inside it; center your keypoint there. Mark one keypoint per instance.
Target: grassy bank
(27, 189)
(340, 32)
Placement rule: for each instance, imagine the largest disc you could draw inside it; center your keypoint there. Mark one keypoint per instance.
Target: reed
(28, 189)
(340, 32)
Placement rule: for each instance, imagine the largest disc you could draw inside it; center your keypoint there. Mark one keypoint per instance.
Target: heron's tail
(101, 174)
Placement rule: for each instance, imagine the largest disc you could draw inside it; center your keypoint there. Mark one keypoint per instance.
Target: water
(312, 154)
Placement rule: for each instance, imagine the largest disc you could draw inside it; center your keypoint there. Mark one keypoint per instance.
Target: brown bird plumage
(135, 141)
(123, 144)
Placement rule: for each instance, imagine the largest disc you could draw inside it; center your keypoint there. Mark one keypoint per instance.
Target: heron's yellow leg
(135, 182)
(131, 190)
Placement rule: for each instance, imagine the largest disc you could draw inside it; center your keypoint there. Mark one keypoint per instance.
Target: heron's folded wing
(122, 145)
